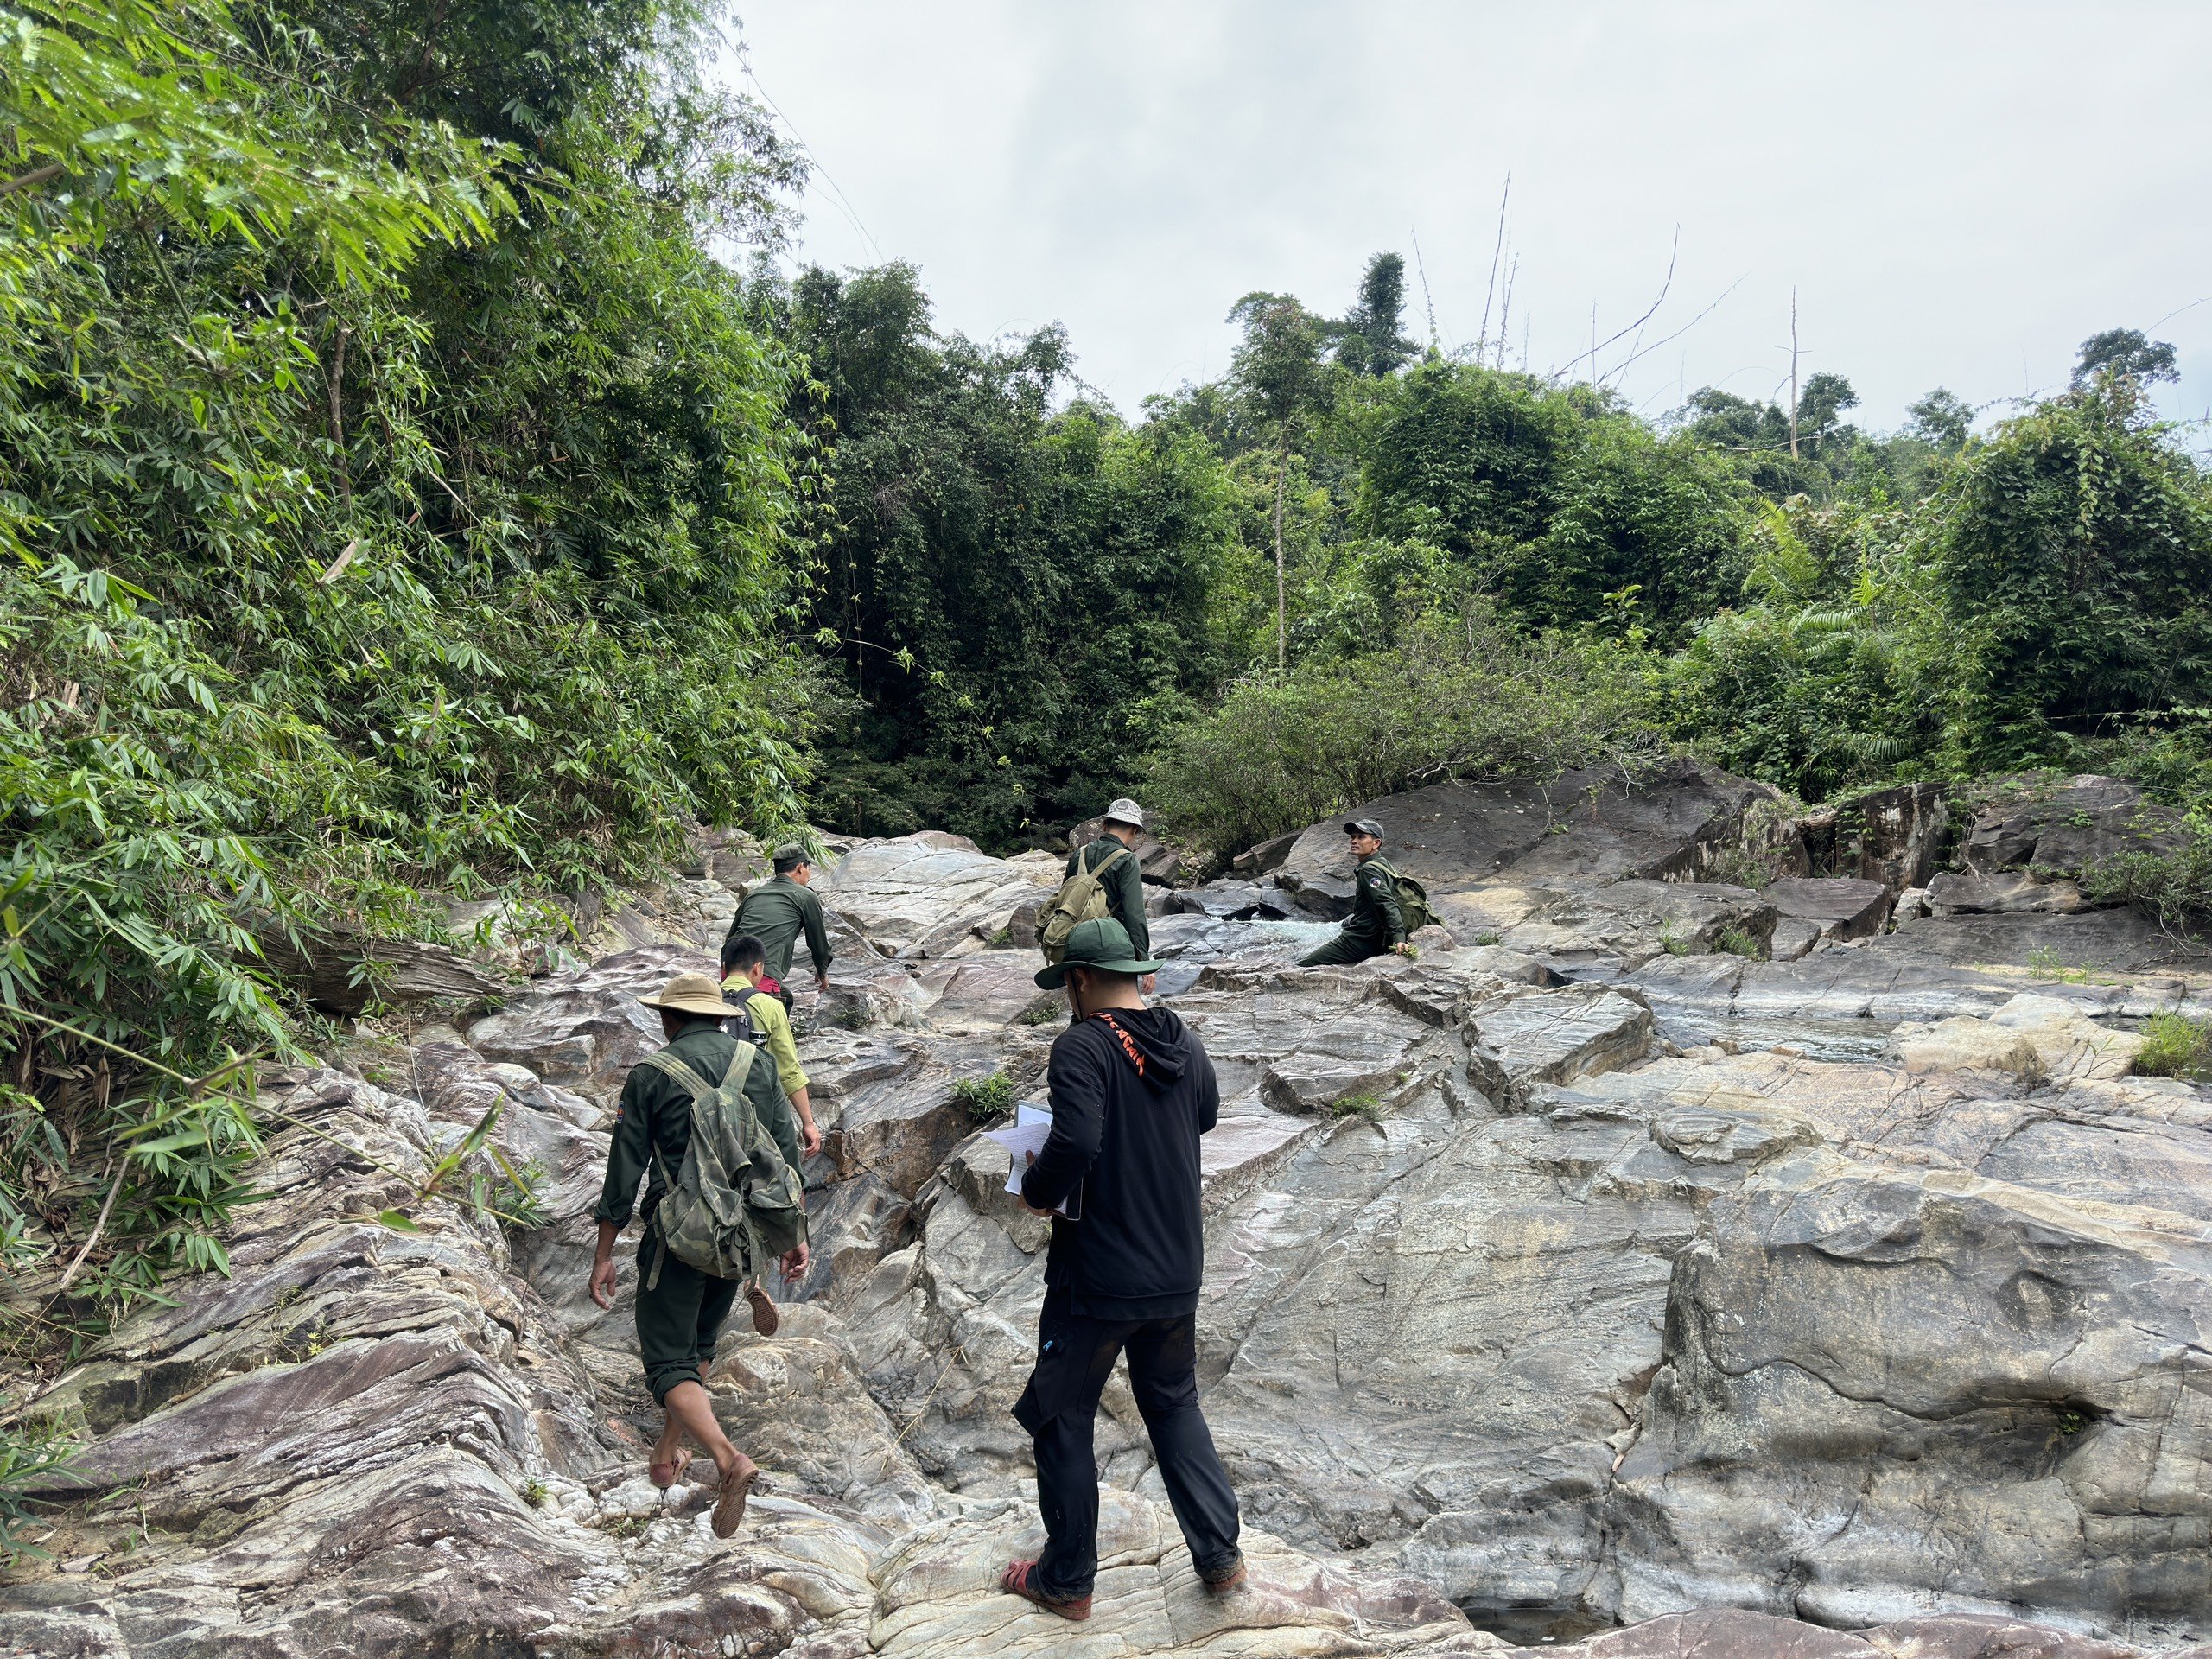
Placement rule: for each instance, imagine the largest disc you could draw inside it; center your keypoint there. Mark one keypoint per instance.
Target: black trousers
(1075, 1356)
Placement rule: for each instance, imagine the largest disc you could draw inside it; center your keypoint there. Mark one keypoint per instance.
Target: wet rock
(1235, 901)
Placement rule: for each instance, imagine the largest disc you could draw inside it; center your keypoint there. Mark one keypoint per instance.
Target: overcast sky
(1958, 193)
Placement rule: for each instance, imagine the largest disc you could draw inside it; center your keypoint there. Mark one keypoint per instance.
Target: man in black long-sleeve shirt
(1132, 1090)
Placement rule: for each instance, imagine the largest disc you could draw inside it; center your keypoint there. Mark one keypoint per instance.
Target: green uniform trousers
(679, 1319)
(1344, 949)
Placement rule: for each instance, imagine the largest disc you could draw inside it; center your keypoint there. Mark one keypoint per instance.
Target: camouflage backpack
(735, 1205)
(1081, 898)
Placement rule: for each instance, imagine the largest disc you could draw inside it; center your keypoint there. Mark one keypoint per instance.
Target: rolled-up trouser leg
(1163, 1375)
(678, 1317)
(1339, 952)
(1074, 1358)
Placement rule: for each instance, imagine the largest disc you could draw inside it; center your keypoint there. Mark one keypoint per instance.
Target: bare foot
(668, 1458)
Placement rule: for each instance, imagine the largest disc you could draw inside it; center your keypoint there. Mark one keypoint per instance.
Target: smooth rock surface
(1583, 1271)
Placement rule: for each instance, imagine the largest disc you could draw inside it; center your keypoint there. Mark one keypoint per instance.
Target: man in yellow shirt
(745, 965)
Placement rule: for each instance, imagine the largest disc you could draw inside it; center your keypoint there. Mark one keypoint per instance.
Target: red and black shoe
(1015, 1582)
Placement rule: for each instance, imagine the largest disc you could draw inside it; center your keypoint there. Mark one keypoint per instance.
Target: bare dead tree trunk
(1793, 374)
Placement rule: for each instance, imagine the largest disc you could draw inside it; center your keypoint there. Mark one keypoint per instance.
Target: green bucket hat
(1103, 944)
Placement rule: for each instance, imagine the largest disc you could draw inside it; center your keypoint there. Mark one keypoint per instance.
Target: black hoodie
(1127, 1116)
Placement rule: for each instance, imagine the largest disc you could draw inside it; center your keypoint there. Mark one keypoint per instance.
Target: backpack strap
(684, 1076)
(701, 1091)
(1109, 861)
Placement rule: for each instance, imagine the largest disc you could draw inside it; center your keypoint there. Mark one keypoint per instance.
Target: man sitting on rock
(680, 1308)
(776, 912)
(1376, 924)
(744, 966)
(1132, 1090)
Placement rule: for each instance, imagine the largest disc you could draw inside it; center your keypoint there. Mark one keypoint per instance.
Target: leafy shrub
(985, 1100)
(2174, 886)
(1465, 697)
(361, 537)
(2175, 1046)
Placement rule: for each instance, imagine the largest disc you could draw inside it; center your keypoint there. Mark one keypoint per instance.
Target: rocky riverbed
(1735, 1234)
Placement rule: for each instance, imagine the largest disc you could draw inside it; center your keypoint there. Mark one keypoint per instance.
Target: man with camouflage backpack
(708, 1117)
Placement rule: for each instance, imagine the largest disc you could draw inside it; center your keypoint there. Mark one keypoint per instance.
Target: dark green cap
(1103, 944)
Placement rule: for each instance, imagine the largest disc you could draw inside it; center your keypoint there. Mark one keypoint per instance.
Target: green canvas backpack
(1413, 899)
(735, 1205)
(1081, 898)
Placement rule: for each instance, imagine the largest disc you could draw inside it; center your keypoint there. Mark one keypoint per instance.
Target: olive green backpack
(1081, 898)
(735, 1205)
(1413, 899)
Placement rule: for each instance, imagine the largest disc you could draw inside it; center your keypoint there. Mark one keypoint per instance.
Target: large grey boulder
(932, 894)
(1893, 837)
(1583, 828)
(583, 1030)
(1156, 860)
(2061, 829)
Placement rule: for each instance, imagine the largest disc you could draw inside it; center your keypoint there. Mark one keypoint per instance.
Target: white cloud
(1958, 193)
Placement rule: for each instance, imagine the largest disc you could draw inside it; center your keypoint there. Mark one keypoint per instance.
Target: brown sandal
(764, 1317)
(729, 1507)
(1015, 1582)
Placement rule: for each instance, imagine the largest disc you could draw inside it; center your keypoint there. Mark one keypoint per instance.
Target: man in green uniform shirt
(1376, 924)
(680, 1309)
(1124, 883)
(777, 911)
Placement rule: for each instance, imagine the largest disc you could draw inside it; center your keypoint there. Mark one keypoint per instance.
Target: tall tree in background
(2126, 353)
(1013, 597)
(1278, 374)
(1369, 340)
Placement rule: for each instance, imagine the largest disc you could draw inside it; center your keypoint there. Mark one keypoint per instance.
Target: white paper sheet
(1031, 1126)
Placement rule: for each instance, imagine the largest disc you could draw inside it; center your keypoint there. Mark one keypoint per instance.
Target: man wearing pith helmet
(680, 1308)
(1376, 924)
(1131, 1090)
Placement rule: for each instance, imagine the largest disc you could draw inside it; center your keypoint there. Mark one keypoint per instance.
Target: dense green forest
(424, 472)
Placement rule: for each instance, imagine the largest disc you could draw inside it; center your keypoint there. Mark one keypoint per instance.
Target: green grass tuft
(984, 1099)
(2175, 1046)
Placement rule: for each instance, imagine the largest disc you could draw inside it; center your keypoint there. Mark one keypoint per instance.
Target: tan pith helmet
(692, 993)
